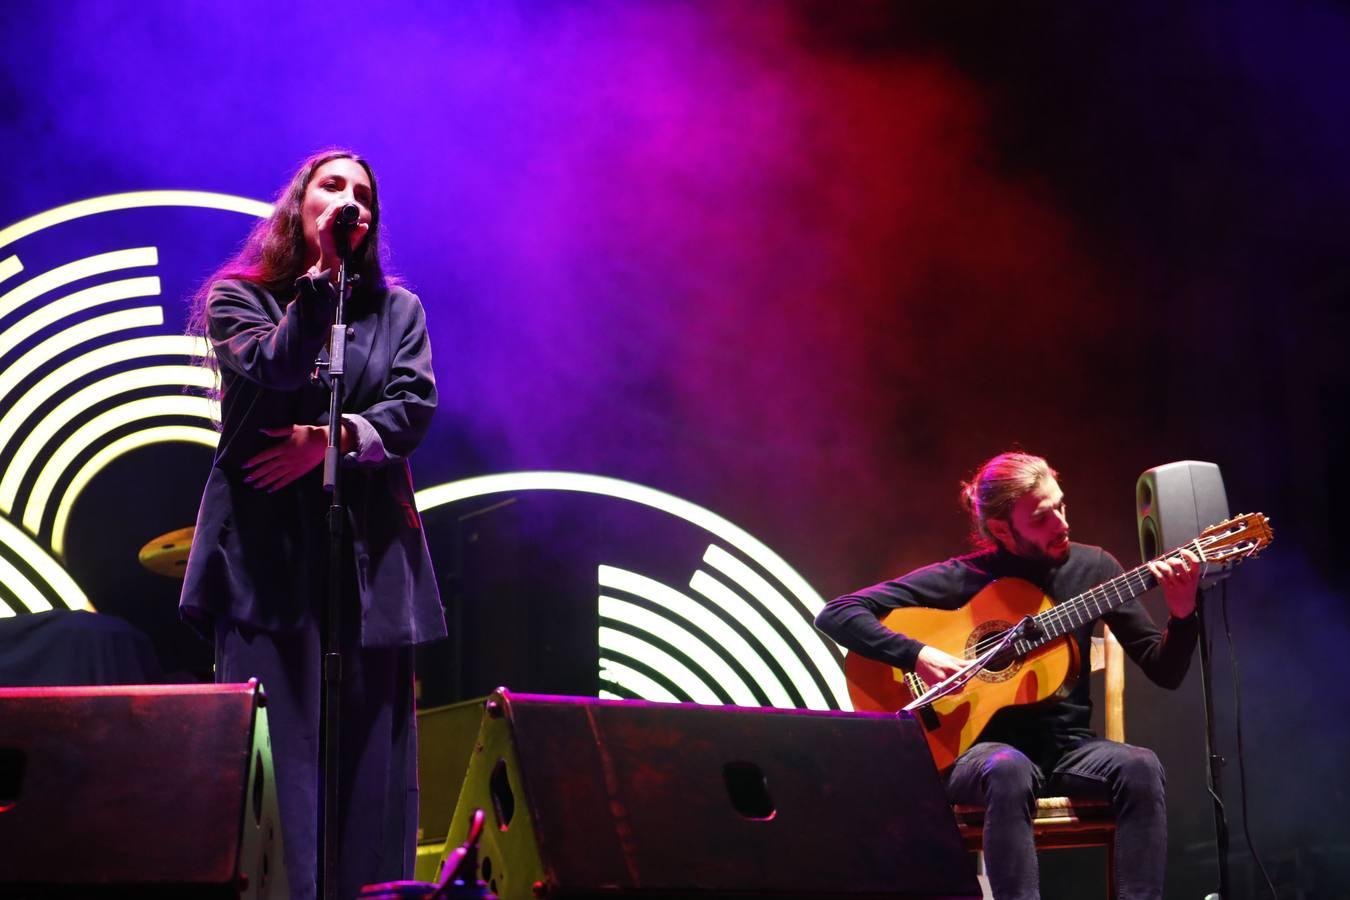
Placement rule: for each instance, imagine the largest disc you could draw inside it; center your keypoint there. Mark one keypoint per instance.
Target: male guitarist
(1022, 530)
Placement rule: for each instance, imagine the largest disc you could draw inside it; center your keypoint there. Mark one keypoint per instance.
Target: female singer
(256, 577)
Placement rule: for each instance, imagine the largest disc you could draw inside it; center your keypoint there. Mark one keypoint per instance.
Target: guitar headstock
(1234, 540)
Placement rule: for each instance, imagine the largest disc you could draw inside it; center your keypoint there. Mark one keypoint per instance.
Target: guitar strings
(1060, 617)
(1094, 602)
(1136, 581)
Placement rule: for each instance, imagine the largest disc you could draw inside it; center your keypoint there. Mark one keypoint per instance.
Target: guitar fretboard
(1091, 605)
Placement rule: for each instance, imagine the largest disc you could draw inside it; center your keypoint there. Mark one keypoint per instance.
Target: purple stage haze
(808, 263)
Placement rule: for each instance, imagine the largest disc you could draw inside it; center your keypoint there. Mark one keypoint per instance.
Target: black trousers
(1004, 781)
(378, 748)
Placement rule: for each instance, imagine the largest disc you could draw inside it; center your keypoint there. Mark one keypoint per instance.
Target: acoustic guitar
(1042, 664)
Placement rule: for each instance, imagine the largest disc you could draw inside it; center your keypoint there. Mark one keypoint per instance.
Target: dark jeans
(1004, 781)
(378, 753)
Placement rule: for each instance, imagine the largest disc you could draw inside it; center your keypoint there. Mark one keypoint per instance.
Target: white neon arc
(681, 675)
(37, 557)
(82, 401)
(635, 682)
(29, 594)
(56, 310)
(162, 434)
(9, 267)
(60, 379)
(132, 200)
(706, 658)
(52, 279)
(47, 568)
(91, 329)
(777, 648)
(91, 432)
(733, 535)
(804, 634)
(705, 621)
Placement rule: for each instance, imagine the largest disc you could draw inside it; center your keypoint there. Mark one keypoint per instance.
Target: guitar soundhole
(1003, 666)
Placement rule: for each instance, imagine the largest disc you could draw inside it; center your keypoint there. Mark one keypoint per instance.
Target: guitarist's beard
(1054, 554)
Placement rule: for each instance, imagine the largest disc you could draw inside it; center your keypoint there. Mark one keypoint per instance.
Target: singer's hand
(1180, 578)
(328, 231)
(298, 453)
(934, 665)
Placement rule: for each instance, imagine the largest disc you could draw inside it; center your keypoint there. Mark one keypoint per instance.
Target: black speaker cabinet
(148, 791)
(1175, 502)
(598, 798)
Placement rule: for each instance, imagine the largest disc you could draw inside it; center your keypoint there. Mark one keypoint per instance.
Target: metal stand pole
(330, 711)
(1213, 761)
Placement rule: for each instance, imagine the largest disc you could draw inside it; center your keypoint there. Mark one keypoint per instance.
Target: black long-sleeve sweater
(1044, 731)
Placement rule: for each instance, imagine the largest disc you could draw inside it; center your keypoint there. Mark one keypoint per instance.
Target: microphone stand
(330, 709)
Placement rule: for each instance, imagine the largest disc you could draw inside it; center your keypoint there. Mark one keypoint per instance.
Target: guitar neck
(1090, 605)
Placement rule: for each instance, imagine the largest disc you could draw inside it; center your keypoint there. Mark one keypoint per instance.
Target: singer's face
(334, 184)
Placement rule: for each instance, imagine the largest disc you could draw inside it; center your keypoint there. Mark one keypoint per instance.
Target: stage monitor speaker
(147, 791)
(603, 798)
(445, 741)
(1175, 502)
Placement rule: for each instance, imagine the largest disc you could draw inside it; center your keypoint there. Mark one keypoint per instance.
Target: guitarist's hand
(1180, 578)
(934, 665)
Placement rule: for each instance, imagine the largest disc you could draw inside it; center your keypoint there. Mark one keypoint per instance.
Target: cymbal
(168, 553)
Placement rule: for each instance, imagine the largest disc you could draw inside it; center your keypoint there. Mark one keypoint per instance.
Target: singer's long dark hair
(273, 255)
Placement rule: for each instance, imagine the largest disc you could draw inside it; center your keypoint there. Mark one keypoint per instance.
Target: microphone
(347, 216)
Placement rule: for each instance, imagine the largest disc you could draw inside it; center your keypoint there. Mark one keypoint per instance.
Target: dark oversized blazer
(260, 559)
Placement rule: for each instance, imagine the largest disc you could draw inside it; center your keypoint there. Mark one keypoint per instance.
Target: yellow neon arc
(29, 594)
(100, 264)
(56, 310)
(93, 431)
(80, 402)
(16, 371)
(9, 267)
(47, 568)
(162, 434)
(132, 200)
(92, 329)
(60, 379)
